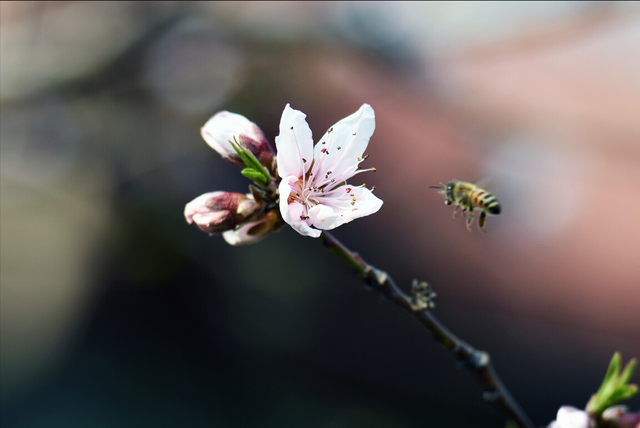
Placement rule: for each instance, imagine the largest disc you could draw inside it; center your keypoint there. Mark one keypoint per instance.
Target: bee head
(447, 190)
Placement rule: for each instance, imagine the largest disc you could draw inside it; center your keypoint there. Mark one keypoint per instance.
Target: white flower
(314, 193)
(225, 127)
(570, 417)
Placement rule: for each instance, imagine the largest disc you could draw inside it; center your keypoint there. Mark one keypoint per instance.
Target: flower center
(304, 194)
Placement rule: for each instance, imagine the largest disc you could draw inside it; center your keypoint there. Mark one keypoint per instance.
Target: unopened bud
(226, 127)
(252, 232)
(619, 417)
(217, 212)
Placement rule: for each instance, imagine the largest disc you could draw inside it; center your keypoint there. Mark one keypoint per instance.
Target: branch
(419, 305)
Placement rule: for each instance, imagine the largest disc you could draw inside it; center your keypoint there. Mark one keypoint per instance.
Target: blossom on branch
(314, 194)
(309, 190)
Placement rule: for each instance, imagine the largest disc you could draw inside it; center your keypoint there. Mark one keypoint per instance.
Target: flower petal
(285, 190)
(292, 213)
(198, 206)
(241, 236)
(296, 211)
(323, 217)
(570, 417)
(216, 212)
(294, 143)
(224, 126)
(345, 142)
(341, 210)
(366, 203)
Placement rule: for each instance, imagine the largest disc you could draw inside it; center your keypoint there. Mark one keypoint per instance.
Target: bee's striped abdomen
(486, 201)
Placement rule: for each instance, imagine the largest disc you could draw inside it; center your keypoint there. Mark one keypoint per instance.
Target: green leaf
(613, 370)
(626, 393)
(255, 176)
(252, 164)
(628, 371)
(247, 157)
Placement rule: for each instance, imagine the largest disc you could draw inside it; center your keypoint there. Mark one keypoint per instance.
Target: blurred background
(115, 312)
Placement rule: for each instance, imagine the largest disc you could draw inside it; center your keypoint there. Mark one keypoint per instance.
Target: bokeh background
(115, 312)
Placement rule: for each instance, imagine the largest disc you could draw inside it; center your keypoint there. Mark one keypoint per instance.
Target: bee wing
(483, 182)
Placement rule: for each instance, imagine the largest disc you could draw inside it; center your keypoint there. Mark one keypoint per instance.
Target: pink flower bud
(252, 232)
(217, 212)
(619, 417)
(630, 420)
(224, 127)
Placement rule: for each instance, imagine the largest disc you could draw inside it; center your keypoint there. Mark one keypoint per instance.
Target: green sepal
(615, 387)
(628, 371)
(258, 195)
(256, 176)
(253, 166)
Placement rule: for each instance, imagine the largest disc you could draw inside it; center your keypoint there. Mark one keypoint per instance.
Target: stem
(419, 305)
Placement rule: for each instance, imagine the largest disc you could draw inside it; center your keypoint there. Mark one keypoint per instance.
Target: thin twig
(419, 305)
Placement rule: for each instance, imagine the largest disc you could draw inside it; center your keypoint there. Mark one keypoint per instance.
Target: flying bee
(468, 196)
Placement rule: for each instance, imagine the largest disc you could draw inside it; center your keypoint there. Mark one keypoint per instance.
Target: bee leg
(481, 220)
(455, 210)
(469, 220)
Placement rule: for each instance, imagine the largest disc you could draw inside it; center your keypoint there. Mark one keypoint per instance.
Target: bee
(468, 196)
